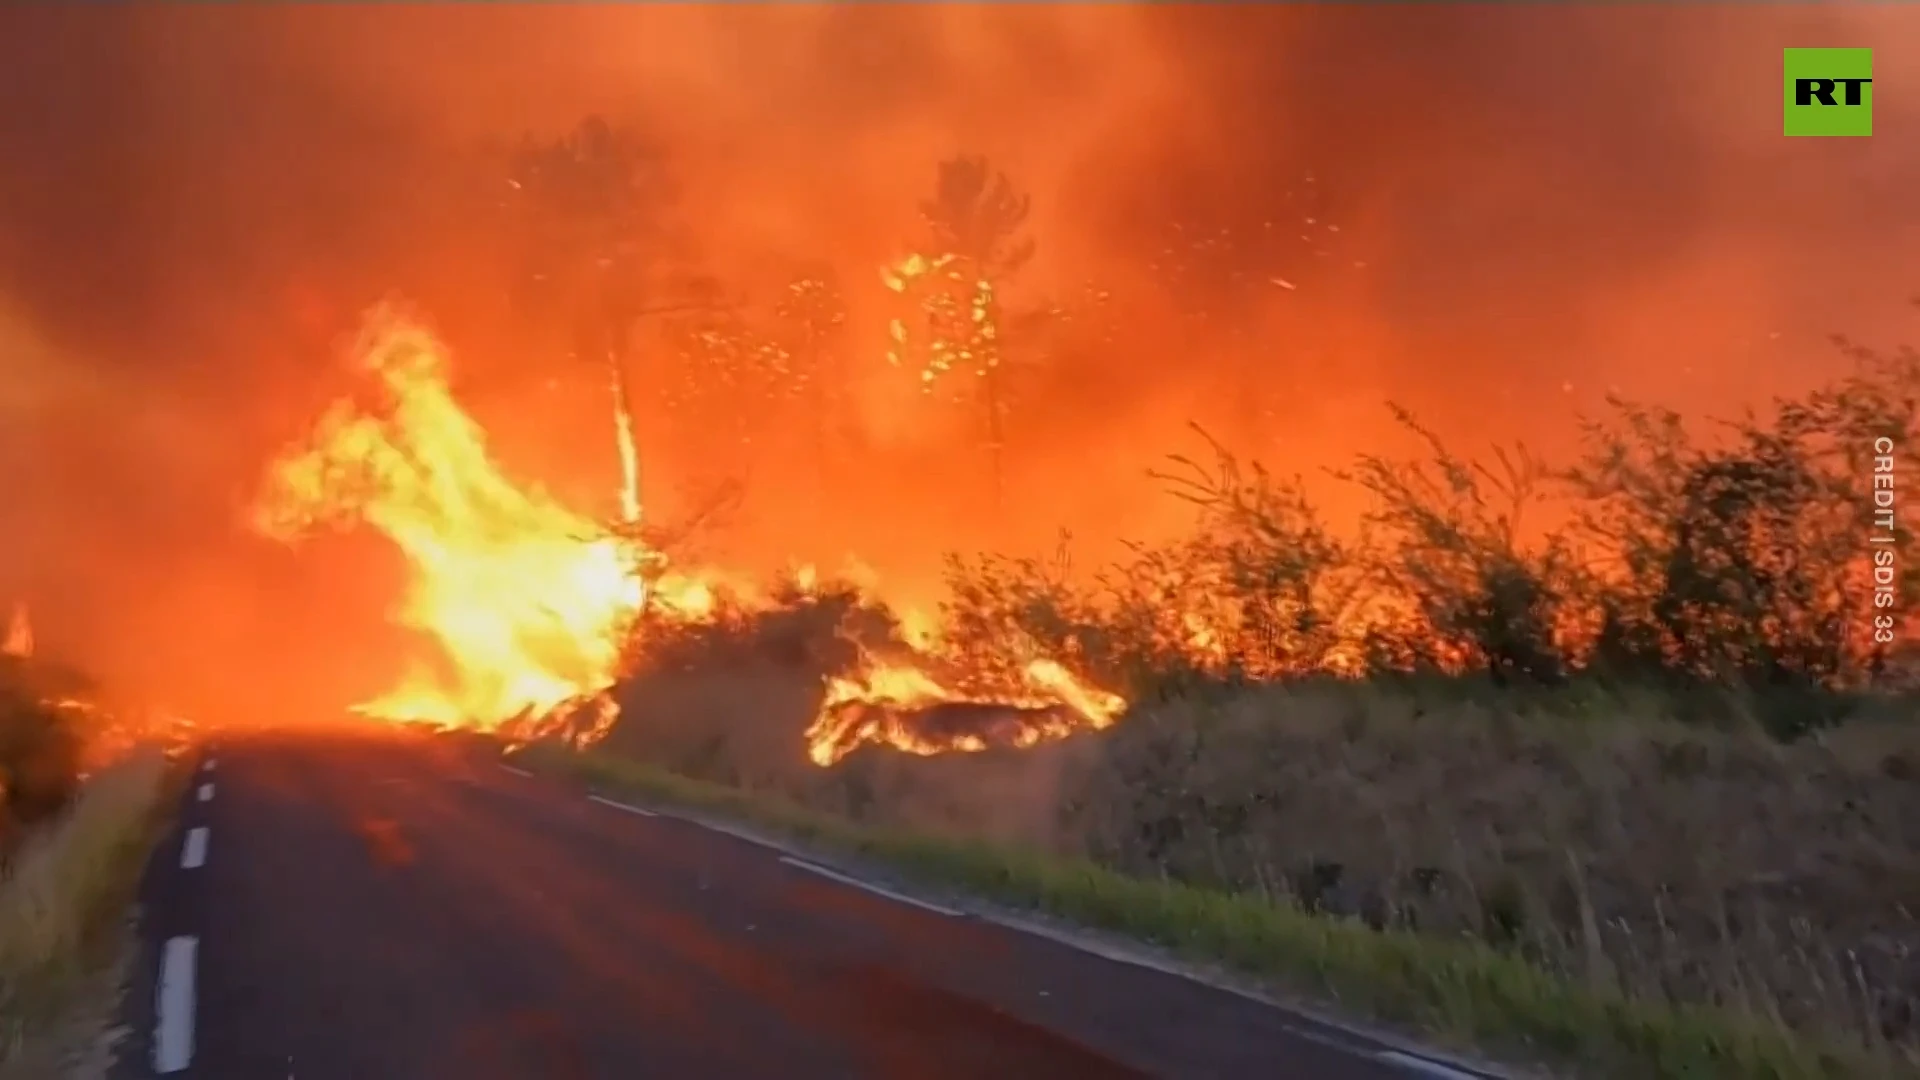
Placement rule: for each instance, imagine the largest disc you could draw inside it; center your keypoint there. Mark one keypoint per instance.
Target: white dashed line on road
(206, 792)
(209, 764)
(193, 853)
(621, 806)
(877, 890)
(1425, 1066)
(173, 1028)
(516, 772)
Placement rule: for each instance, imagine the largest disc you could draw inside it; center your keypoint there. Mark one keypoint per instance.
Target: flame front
(899, 705)
(527, 601)
(532, 606)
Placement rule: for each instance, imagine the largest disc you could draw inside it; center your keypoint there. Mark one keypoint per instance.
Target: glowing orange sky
(1534, 205)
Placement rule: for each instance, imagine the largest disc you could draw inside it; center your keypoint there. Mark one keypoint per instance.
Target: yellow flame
(530, 606)
(527, 602)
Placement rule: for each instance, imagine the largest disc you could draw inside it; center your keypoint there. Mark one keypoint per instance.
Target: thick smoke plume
(1513, 212)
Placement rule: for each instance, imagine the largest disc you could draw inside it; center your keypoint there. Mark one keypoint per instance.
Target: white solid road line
(877, 890)
(193, 854)
(1425, 1066)
(206, 792)
(621, 806)
(728, 830)
(1354, 1043)
(173, 1028)
(516, 772)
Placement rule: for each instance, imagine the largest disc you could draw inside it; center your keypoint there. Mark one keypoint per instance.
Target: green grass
(62, 896)
(1462, 992)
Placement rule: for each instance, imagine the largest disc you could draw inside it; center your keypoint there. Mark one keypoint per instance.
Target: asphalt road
(392, 908)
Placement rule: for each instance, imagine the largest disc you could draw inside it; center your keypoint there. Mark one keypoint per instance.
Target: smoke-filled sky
(1528, 207)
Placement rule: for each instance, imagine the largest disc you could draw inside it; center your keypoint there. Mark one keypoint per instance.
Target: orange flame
(903, 707)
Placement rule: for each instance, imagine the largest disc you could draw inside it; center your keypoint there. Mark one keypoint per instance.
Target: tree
(975, 221)
(596, 214)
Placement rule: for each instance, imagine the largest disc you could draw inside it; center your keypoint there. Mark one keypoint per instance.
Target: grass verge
(63, 897)
(1464, 993)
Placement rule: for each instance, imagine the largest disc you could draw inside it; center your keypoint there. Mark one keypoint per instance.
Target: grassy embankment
(71, 854)
(1638, 796)
(1470, 993)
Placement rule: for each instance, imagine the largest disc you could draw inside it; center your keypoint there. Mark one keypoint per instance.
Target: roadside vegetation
(71, 850)
(41, 746)
(1599, 763)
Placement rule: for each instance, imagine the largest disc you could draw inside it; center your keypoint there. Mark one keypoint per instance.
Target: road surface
(393, 908)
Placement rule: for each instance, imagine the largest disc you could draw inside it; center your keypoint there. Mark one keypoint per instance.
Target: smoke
(1516, 210)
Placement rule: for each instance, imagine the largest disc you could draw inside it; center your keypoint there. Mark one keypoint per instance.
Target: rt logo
(1829, 91)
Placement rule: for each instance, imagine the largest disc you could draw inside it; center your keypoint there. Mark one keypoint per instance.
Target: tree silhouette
(975, 221)
(595, 210)
(977, 214)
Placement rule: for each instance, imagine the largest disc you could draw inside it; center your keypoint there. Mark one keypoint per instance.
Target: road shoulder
(806, 840)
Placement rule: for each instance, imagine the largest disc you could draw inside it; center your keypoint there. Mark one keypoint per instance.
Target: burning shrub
(1742, 563)
(1712, 570)
(1258, 590)
(727, 697)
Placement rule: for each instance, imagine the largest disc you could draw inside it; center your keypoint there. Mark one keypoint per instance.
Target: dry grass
(1670, 863)
(62, 895)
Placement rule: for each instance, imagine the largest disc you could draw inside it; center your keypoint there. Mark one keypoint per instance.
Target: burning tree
(596, 208)
(975, 221)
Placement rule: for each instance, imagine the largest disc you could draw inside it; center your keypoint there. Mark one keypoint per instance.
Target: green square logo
(1829, 91)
